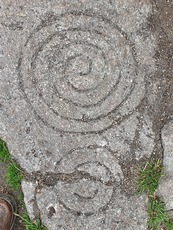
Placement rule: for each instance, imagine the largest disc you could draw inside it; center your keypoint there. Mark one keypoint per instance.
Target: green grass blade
(4, 153)
(14, 176)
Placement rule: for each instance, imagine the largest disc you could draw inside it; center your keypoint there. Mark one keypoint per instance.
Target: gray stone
(165, 191)
(167, 141)
(29, 190)
(166, 183)
(124, 214)
(75, 106)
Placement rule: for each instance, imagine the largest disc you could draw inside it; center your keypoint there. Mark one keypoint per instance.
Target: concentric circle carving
(93, 174)
(80, 77)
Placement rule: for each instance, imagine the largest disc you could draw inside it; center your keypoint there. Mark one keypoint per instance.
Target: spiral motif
(80, 77)
(92, 190)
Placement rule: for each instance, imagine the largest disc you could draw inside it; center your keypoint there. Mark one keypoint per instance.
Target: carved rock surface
(80, 106)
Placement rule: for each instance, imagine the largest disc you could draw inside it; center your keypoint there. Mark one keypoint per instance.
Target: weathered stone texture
(166, 183)
(77, 83)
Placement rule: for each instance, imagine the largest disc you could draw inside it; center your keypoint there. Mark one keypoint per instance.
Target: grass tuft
(148, 177)
(147, 182)
(14, 176)
(169, 225)
(29, 224)
(156, 213)
(4, 153)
